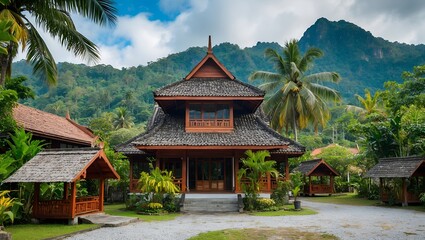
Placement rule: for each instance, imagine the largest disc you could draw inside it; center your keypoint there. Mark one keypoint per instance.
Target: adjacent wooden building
(401, 179)
(201, 127)
(318, 177)
(66, 166)
(56, 131)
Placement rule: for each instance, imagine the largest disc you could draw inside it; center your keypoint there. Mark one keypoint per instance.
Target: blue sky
(148, 30)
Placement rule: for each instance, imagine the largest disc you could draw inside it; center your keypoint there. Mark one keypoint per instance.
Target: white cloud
(136, 40)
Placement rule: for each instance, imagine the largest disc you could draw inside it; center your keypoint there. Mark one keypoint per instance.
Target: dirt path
(346, 222)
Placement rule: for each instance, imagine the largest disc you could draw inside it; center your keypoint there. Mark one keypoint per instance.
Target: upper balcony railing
(213, 123)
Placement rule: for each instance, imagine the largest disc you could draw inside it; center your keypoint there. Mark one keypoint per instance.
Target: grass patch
(119, 210)
(262, 234)
(347, 199)
(43, 231)
(287, 211)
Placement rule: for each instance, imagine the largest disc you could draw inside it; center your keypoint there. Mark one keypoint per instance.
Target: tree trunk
(294, 124)
(3, 70)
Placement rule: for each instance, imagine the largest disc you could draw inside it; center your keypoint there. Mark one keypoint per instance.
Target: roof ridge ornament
(209, 51)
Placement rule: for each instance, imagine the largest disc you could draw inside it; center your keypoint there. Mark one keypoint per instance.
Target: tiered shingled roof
(65, 165)
(209, 87)
(312, 166)
(398, 167)
(249, 130)
(49, 125)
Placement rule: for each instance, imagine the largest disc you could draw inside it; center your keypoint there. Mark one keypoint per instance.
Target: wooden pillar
(36, 199)
(404, 194)
(287, 175)
(236, 168)
(73, 201)
(65, 191)
(269, 183)
(309, 185)
(130, 159)
(381, 188)
(157, 163)
(184, 172)
(101, 193)
(332, 184)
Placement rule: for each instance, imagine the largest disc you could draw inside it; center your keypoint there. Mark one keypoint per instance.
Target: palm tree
(369, 104)
(54, 16)
(294, 99)
(123, 118)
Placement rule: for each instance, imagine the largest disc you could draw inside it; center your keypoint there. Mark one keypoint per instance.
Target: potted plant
(297, 183)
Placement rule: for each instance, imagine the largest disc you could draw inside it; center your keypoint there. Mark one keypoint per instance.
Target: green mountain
(362, 60)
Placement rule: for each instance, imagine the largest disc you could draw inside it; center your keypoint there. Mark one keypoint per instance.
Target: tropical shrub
(6, 204)
(280, 194)
(158, 182)
(422, 198)
(265, 204)
(254, 168)
(297, 183)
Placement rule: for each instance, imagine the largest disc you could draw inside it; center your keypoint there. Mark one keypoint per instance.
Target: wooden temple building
(201, 127)
(318, 177)
(410, 171)
(66, 166)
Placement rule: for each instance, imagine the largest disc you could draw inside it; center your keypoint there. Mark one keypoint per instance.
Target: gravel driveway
(346, 222)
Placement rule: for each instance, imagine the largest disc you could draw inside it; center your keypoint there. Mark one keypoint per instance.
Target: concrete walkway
(106, 220)
(344, 221)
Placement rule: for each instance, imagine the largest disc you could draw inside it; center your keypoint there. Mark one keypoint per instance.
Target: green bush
(422, 198)
(264, 204)
(280, 194)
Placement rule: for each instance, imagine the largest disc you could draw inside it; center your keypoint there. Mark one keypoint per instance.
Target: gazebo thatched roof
(316, 167)
(65, 165)
(397, 167)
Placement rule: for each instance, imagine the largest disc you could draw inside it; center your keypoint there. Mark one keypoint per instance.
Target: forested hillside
(362, 60)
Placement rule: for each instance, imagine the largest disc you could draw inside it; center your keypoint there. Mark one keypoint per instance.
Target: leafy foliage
(158, 182)
(295, 99)
(254, 168)
(6, 204)
(55, 18)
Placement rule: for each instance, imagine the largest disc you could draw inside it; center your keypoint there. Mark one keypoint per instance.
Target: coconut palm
(293, 98)
(369, 104)
(54, 17)
(122, 118)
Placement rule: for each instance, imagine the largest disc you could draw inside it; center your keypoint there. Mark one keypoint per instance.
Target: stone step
(211, 205)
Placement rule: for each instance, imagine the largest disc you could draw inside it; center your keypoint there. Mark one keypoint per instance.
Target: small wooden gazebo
(66, 166)
(411, 171)
(320, 177)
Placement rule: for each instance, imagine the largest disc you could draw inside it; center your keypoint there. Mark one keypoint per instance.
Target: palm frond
(322, 77)
(102, 12)
(59, 24)
(265, 76)
(40, 57)
(308, 58)
(326, 93)
(280, 64)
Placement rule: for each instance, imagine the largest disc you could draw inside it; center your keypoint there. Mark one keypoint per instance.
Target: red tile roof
(52, 126)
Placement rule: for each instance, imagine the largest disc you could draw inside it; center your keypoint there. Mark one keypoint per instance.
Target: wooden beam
(237, 156)
(287, 175)
(36, 199)
(404, 194)
(73, 203)
(184, 172)
(101, 193)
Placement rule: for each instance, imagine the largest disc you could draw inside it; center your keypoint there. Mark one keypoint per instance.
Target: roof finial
(209, 44)
(67, 116)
